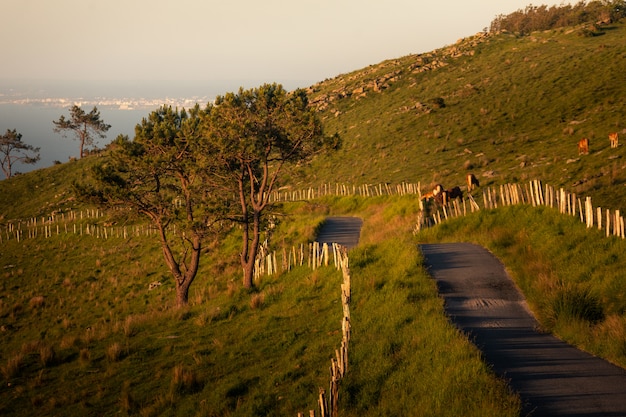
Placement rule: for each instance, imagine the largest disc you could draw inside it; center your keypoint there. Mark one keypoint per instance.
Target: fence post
(322, 403)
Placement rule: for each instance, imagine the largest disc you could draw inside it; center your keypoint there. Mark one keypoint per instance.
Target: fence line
(536, 194)
(328, 402)
(84, 222)
(80, 222)
(342, 190)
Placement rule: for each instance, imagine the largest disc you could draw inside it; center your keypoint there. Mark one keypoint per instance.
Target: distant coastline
(103, 102)
(120, 95)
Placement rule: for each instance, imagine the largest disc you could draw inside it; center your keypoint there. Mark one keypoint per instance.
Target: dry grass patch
(114, 352)
(12, 366)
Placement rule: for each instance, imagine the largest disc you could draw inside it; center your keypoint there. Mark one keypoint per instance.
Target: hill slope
(507, 108)
(80, 309)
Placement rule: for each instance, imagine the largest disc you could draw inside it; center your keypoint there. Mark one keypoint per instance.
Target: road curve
(552, 377)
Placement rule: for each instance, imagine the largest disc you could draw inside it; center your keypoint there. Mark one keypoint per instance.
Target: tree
(162, 175)
(257, 133)
(13, 150)
(84, 126)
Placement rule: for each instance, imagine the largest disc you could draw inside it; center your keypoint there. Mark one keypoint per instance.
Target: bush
(575, 302)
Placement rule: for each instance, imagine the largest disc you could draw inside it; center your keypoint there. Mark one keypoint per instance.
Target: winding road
(552, 377)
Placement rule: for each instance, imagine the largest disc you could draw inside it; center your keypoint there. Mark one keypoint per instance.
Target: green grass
(515, 107)
(403, 345)
(83, 334)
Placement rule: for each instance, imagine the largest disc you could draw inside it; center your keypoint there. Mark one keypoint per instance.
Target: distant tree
(255, 134)
(534, 18)
(84, 126)
(163, 175)
(13, 150)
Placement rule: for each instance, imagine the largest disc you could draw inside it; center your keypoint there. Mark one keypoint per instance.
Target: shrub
(574, 302)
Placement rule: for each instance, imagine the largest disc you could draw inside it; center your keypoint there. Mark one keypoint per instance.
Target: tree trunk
(182, 292)
(251, 250)
(183, 280)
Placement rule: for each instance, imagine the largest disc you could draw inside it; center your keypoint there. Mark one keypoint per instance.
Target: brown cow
(583, 146)
(472, 182)
(614, 139)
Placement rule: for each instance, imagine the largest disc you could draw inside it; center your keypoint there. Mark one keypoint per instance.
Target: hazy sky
(283, 41)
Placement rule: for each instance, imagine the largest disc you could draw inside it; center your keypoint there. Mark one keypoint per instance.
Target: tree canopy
(534, 18)
(13, 150)
(195, 173)
(255, 133)
(84, 126)
(161, 175)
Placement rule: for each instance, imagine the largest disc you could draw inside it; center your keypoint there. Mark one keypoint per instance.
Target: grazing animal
(445, 196)
(454, 193)
(583, 146)
(614, 139)
(472, 182)
(438, 189)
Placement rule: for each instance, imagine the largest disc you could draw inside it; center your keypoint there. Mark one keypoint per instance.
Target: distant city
(104, 102)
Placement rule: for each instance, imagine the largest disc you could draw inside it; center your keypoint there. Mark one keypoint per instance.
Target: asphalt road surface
(342, 230)
(552, 377)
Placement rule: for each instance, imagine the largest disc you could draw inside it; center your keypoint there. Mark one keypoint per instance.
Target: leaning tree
(13, 150)
(162, 175)
(255, 134)
(84, 126)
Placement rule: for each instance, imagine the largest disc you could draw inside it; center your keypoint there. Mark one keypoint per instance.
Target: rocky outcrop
(377, 78)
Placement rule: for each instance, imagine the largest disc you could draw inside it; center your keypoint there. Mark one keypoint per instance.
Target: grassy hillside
(504, 107)
(82, 333)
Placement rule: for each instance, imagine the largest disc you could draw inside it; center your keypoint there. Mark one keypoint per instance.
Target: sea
(31, 106)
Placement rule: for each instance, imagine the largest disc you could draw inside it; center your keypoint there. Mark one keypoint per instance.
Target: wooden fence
(342, 190)
(81, 223)
(534, 193)
(328, 401)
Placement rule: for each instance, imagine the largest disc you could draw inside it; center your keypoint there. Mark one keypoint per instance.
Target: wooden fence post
(322, 403)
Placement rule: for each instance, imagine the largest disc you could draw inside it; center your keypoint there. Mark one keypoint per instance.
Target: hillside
(508, 108)
(505, 107)
(85, 333)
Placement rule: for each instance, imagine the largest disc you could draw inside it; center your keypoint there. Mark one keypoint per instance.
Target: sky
(292, 42)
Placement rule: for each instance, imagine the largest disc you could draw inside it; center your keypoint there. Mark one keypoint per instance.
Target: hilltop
(506, 107)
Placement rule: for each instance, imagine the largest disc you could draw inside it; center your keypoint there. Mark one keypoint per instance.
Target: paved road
(343, 230)
(552, 377)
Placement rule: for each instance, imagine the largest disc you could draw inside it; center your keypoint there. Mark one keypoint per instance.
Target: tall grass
(403, 345)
